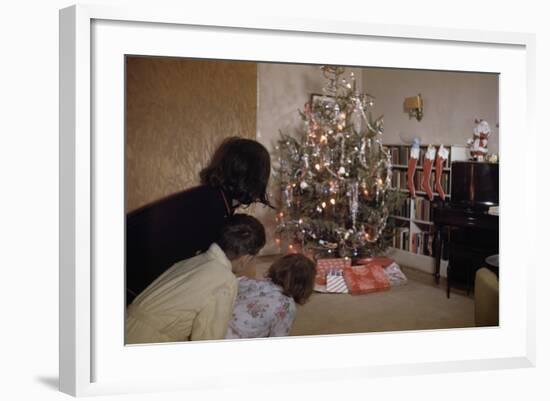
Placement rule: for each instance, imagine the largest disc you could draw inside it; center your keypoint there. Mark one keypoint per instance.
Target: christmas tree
(335, 176)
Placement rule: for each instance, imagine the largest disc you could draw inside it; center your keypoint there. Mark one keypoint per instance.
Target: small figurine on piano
(478, 143)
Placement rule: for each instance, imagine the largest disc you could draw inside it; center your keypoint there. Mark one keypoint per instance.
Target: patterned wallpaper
(177, 112)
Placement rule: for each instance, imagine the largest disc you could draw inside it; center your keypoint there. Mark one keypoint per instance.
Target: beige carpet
(419, 304)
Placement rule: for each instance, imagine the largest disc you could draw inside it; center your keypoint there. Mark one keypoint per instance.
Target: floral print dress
(261, 310)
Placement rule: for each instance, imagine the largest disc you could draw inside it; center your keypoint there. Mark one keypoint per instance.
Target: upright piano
(464, 227)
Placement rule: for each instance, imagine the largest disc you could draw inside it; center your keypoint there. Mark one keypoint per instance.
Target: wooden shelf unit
(414, 231)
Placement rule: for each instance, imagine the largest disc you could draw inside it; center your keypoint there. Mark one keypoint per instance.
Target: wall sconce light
(414, 106)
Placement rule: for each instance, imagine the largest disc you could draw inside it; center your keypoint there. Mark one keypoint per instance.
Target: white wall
(452, 101)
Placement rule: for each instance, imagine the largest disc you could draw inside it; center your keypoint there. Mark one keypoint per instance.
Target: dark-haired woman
(267, 308)
(187, 223)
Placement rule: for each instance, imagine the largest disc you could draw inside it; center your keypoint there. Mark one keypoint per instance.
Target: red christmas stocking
(413, 159)
(442, 155)
(427, 167)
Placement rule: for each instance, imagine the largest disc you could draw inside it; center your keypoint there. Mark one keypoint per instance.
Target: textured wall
(177, 111)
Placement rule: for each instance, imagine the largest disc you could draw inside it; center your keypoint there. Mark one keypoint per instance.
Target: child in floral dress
(266, 308)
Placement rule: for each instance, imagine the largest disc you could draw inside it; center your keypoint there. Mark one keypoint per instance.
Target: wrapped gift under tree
(366, 279)
(323, 266)
(337, 275)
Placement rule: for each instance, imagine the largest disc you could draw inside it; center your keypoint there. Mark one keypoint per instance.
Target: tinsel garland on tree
(335, 176)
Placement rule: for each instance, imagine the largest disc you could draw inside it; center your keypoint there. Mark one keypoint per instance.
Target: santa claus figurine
(478, 143)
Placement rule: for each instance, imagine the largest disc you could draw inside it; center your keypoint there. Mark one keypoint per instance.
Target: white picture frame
(93, 358)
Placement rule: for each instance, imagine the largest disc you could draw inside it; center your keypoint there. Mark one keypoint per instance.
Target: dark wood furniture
(469, 235)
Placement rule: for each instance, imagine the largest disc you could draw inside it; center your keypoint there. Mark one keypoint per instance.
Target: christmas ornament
(353, 195)
(288, 196)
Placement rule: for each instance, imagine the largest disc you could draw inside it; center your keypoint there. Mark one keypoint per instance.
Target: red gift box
(325, 265)
(366, 279)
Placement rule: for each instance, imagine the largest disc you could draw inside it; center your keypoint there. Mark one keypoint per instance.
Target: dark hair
(295, 273)
(241, 235)
(241, 167)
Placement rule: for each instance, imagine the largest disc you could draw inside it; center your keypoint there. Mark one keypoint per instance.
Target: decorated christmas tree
(335, 176)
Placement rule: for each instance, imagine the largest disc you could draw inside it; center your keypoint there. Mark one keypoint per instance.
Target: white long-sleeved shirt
(192, 300)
